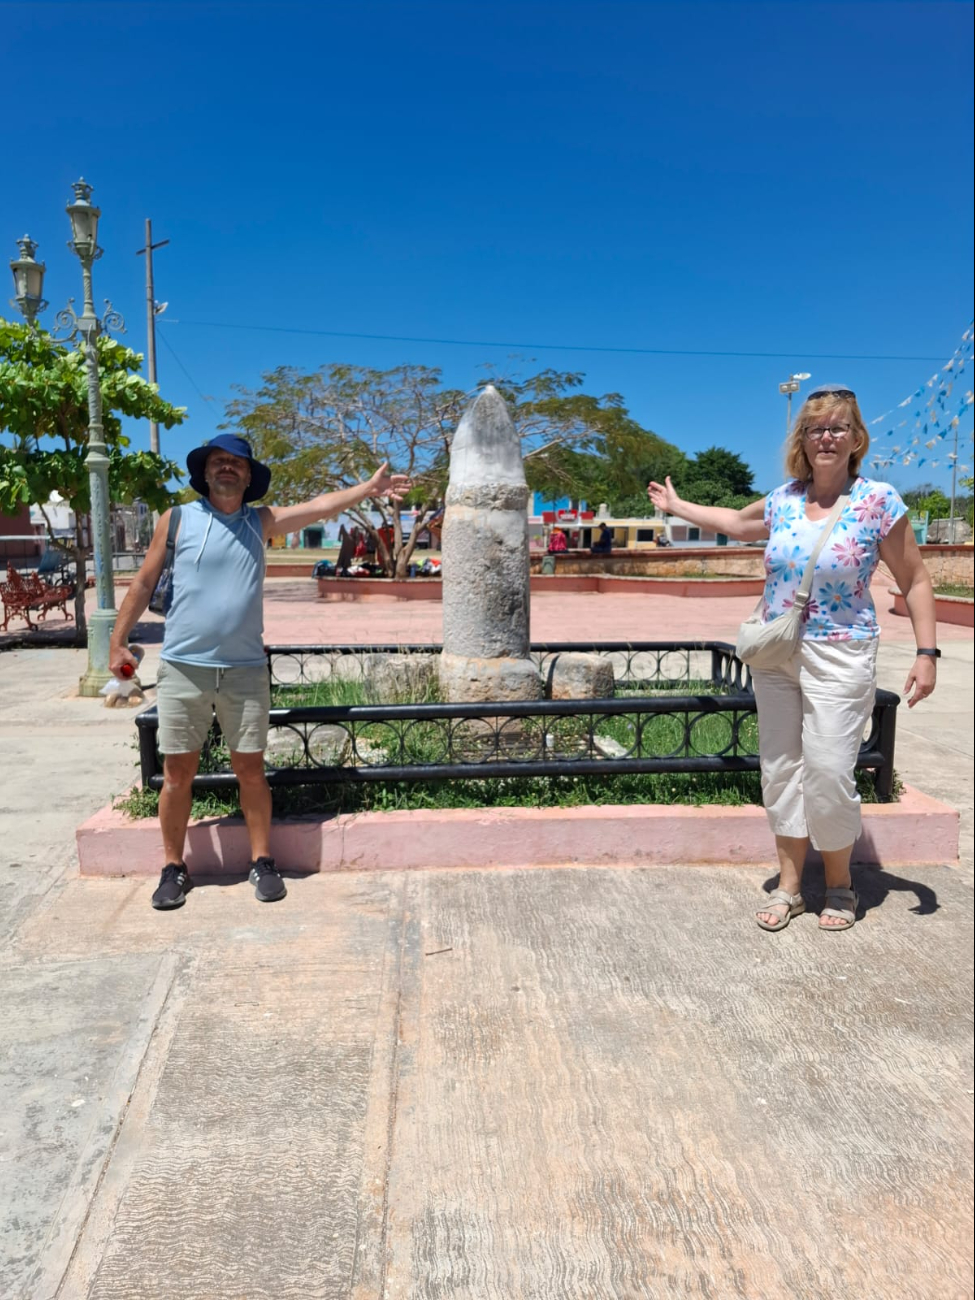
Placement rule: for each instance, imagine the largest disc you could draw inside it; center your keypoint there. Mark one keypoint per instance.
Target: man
(604, 542)
(213, 651)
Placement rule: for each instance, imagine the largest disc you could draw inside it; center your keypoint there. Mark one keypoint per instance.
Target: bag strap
(805, 586)
(171, 535)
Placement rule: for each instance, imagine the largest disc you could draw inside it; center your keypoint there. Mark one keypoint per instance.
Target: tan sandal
(846, 911)
(794, 904)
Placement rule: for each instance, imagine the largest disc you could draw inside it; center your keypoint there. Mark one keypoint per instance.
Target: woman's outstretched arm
(747, 525)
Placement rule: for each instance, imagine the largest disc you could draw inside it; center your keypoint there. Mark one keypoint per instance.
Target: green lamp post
(28, 281)
(87, 326)
(28, 286)
(84, 228)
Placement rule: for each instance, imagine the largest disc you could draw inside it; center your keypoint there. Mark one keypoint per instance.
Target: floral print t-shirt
(840, 606)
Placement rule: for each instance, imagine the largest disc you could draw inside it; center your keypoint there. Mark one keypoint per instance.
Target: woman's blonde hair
(820, 409)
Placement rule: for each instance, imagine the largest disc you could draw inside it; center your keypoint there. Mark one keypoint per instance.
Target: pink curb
(917, 831)
(356, 589)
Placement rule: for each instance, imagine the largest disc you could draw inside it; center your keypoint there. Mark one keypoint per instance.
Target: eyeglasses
(835, 431)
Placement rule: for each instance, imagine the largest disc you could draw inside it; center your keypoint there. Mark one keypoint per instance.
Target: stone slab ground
(574, 1084)
(490, 1085)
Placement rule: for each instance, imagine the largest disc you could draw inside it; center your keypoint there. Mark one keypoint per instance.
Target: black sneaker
(174, 885)
(267, 882)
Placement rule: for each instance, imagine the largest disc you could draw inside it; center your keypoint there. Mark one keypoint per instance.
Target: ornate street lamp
(28, 284)
(28, 281)
(84, 224)
(84, 227)
(791, 386)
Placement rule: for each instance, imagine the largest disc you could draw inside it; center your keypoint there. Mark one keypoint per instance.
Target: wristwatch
(935, 654)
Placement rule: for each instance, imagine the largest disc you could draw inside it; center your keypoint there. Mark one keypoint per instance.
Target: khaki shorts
(187, 696)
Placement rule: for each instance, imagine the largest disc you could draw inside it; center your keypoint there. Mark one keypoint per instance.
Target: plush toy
(127, 692)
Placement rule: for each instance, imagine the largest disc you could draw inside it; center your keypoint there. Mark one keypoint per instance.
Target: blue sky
(775, 178)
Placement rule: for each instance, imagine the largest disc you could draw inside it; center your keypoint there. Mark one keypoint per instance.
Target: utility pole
(151, 322)
(954, 484)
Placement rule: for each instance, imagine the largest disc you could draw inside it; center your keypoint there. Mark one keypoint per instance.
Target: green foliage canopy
(44, 395)
(329, 429)
(44, 427)
(925, 496)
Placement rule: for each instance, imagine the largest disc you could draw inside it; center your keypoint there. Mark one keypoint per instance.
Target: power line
(545, 347)
(202, 396)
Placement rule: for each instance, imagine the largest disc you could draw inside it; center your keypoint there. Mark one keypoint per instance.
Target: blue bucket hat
(197, 459)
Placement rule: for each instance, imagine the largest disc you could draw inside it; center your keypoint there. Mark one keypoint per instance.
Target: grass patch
(955, 589)
(731, 790)
(342, 693)
(427, 742)
(339, 693)
(420, 742)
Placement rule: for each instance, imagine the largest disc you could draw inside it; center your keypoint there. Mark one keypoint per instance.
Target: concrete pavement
(484, 1085)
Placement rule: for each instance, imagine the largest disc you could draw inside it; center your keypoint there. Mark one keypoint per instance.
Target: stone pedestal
(575, 676)
(472, 679)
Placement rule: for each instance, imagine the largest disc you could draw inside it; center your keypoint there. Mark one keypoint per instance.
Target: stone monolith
(485, 561)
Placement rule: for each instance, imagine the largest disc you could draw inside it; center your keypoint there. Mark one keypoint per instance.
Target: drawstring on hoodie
(247, 520)
(199, 554)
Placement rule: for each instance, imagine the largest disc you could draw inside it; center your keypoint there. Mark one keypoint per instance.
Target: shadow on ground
(872, 884)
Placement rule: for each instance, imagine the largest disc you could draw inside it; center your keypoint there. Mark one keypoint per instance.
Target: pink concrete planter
(380, 589)
(285, 570)
(948, 609)
(917, 831)
(692, 587)
(356, 589)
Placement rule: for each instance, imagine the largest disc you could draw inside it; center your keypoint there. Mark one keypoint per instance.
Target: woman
(812, 711)
(346, 547)
(557, 542)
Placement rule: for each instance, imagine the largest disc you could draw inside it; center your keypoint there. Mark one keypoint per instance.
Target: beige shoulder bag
(769, 645)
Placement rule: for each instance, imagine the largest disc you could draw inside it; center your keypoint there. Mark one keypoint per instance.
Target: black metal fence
(711, 726)
(657, 665)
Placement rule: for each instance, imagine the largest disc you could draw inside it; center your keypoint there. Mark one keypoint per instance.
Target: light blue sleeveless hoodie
(216, 619)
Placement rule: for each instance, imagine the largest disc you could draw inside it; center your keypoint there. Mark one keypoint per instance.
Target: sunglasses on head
(831, 391)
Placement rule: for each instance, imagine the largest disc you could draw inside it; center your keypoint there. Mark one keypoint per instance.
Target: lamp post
(791, 386)
(28, 284)
(28, 281)
(84, 227)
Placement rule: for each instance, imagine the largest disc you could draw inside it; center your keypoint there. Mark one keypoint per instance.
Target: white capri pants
(811, 717)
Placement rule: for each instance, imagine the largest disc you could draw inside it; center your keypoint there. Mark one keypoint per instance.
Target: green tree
(715, 477)
(328, 429)
(717, 465)
(927, 497)
(621, 460)
(967, 502)
(44, 431)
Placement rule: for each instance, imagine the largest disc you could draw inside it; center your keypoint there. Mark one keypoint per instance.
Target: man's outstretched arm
(291, 519)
